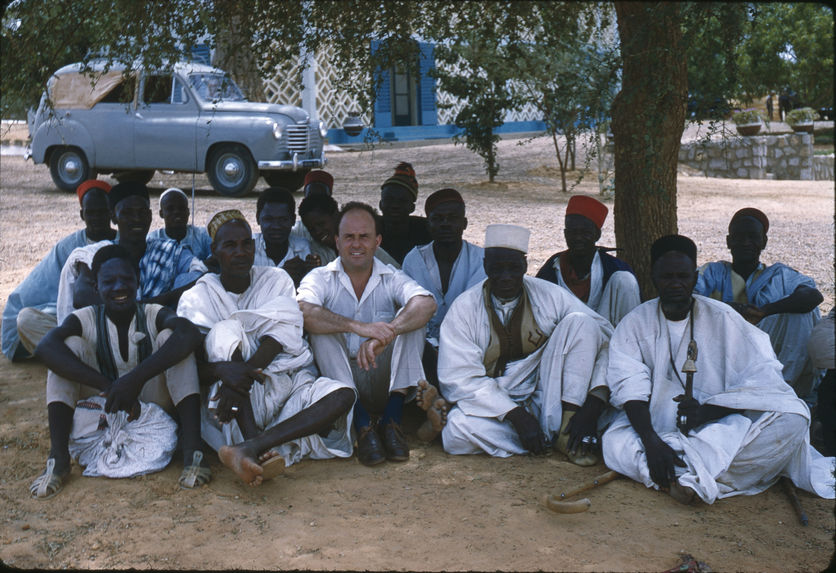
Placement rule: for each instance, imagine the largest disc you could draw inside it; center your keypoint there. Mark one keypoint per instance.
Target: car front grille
(297, 138)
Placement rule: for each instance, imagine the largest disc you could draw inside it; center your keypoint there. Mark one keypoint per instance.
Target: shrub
(746, 117)
(802, 115)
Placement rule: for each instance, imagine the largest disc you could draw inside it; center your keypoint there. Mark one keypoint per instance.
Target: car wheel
(143, 175)
(231, 170)
(68, 167)
(292, 180)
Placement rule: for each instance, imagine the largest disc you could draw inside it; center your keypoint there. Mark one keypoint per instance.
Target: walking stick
(559, 504)
(796, 503)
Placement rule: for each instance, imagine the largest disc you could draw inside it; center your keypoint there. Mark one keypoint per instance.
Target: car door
(165, 124)
(111, 125)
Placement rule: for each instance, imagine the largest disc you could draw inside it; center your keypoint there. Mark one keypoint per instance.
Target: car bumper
(293, 164)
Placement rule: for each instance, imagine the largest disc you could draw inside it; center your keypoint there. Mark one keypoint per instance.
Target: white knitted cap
(507, 237)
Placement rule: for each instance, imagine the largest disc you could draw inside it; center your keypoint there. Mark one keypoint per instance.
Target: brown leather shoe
(394, 442)
(369, 449)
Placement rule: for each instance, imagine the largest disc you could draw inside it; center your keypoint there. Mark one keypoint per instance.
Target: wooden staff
(559, 504)
(796, 503)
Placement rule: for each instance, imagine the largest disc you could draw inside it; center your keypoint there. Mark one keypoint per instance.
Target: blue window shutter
(426, 85)
(200, 54)
(383, 99)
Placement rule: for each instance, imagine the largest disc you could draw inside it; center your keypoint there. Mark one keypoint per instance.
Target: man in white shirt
(366, 323)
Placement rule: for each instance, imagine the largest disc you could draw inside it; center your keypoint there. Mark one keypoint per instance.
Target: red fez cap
(85, 186)
(441, 196)
(319, 176)
(590, 208)
(751, 212)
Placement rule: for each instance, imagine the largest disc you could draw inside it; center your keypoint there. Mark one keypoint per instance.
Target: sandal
(48, 483)
(272, 467)
(195, 475)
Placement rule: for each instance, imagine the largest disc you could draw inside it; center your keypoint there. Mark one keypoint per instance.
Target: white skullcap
(507, 237)
(172, 190)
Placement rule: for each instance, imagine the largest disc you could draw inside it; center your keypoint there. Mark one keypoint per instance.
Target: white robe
(565, 368)
(736, 368)
(613, 301)
(240, 321)
(468, 269)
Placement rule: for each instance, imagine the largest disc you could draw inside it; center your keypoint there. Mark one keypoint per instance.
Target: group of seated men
(306, 340)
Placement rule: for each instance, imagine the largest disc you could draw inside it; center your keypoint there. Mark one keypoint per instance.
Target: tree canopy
(712, 50)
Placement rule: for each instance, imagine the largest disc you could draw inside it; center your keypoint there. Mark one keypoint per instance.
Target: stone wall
(758, 157)
(823, 167)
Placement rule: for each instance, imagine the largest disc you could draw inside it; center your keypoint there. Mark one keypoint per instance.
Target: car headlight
(277, 130)
(323, 129)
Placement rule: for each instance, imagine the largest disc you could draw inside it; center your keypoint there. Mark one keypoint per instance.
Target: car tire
(231, 170)
(69, 168)
(142, 175)
(291, 180)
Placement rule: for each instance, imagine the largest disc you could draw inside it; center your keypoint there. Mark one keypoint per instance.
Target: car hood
(297, 114)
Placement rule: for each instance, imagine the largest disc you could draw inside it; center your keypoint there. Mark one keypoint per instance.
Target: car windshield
(215, 87)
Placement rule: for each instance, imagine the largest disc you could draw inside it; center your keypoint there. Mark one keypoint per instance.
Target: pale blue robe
(468, 269)
(788, 332)
(39, 290)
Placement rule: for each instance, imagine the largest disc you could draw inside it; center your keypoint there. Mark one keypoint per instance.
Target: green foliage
(474, 64)
(747, 116)
(802, 115)
(38, 37)
(789, 45)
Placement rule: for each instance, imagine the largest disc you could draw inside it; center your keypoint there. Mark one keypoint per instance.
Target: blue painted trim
(338, 136)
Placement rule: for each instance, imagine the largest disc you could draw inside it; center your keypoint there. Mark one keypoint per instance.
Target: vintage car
(188, 117)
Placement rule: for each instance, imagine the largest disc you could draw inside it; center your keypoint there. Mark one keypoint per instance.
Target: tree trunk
(648, 120)
(234, 54)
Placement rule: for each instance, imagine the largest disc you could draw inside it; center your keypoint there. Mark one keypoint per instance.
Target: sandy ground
(434, 511)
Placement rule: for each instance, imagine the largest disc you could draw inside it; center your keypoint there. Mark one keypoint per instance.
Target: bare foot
(245, 466)
(272, 464)
(436, 420)
(427, 393)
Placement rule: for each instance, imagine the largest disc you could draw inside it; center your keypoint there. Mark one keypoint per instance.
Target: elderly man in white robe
(737, 427)
(522, 360)
(446, 267)
(270, 408)
(603, 282)
(781, 301)
(366, 322)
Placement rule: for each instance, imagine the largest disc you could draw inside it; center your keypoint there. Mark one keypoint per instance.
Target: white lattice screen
(285, 88)
(333, 105)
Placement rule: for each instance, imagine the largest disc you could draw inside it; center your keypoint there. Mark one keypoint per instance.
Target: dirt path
(434, 511)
